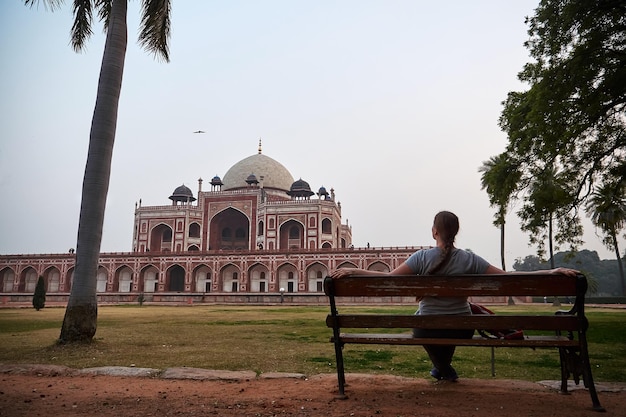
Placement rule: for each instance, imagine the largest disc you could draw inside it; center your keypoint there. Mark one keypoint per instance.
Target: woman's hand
(565, 271)
(342, 272)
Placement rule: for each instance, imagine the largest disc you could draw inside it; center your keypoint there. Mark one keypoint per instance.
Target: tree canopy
(567, 131)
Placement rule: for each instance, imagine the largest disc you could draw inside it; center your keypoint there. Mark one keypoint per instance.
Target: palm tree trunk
(550, 245)
(502, 246)
(619, 263)
(556, 301)
(79, 323)
(510, 300)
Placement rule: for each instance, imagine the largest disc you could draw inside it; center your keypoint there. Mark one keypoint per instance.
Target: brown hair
(447, 225)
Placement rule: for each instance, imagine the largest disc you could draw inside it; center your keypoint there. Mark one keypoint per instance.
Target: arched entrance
(175, 279)
(230, 230)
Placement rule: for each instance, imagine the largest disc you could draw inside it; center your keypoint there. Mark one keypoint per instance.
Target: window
(327, 226)
(294, 232)
(194, 230)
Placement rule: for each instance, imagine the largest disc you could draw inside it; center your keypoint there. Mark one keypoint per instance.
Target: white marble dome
(269, 172)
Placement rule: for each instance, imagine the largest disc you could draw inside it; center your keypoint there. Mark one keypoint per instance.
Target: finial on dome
(260, 146)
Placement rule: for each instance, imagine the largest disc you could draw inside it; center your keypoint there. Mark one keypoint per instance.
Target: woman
(443, 259)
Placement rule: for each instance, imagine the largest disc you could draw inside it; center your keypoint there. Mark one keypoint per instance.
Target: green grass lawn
(278, 339)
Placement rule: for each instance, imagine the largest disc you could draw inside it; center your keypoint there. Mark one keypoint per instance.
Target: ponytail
(447, 225)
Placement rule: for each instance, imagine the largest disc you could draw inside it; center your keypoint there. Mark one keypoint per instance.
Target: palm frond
(47, 4)
(104, 12)
(155, 27)
(81, 29)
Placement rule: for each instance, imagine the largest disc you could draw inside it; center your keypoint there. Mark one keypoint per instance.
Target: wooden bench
(566, 330)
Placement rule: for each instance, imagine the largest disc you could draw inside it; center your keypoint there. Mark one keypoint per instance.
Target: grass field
(278, 339)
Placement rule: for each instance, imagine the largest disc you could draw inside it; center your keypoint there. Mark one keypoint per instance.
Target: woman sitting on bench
(444, 259)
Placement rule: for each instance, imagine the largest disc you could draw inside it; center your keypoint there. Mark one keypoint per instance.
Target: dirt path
(52, 394)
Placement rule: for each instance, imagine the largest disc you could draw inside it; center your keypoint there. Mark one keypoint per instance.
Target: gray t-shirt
(460, 262)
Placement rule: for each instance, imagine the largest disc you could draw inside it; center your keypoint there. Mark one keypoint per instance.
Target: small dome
(252, 179)
(322, 191)
(216, 181)
(300, 188)
(182, 193)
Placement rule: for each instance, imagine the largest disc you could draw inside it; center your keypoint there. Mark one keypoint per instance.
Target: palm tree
(500, 179)
(607, 208)
(79, 323)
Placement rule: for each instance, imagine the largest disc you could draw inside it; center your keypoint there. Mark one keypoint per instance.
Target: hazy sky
(393, 103)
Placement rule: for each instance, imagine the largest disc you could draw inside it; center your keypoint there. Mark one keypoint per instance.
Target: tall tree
(80, 321)
(572, 115)
(547, 214)
(500, 178)
(607, 208)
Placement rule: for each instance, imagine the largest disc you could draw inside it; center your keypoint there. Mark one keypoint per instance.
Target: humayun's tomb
(256, 236)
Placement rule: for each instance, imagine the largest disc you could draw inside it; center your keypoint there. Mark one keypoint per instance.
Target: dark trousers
(441, 355)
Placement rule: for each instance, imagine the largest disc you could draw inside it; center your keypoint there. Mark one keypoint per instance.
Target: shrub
(39, 298)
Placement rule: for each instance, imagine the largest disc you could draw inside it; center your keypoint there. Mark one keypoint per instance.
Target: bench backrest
(459, 286)
(456, 286)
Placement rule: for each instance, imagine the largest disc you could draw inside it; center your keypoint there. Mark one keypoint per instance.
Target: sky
(394, 104)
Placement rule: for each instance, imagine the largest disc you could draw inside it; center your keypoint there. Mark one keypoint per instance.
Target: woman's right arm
(403, 269)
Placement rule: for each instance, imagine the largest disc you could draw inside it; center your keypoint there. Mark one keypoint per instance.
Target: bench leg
(587, 376)
(575, 363)
(565, 372)
(341, 376)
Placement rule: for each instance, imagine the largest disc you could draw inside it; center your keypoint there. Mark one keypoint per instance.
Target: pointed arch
(259, 276)
(28, 280)
(161, 238)
(123, 279)
(7, 279)
(291, 235)
(316, 272)
(379, 266)
(194, 230)
(202, 279)
(102, 279)
(175, 278)
(231, 279)
(148, 279)
(229, 230)
(288, 277)
(346, 264)
(52, 279)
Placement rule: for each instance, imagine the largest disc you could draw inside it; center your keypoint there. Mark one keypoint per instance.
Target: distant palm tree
(80, 321)
(500, 177)
(607, 208)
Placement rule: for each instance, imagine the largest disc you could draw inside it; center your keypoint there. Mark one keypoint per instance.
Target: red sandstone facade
(256, 233)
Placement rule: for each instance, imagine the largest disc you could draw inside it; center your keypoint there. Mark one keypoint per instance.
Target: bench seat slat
(408, 339)
(530, 322)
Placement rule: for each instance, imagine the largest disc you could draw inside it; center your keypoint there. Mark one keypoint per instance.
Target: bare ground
(41, 391)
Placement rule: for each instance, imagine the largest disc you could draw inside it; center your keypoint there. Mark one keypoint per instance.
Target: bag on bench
(508, 334)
